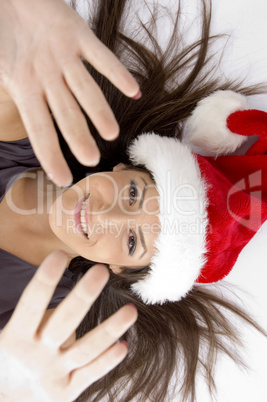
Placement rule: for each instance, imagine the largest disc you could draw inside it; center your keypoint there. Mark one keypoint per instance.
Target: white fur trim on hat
(183, 218)
(206, 131)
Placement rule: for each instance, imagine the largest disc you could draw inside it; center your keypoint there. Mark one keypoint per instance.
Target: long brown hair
(169, 343)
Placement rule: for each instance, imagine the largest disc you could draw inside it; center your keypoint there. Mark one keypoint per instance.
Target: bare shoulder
(11, 126)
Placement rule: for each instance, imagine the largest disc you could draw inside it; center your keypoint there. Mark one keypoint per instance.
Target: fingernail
(126, 344)
(138, 95)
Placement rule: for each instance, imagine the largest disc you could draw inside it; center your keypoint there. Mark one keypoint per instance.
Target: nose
(113, 216)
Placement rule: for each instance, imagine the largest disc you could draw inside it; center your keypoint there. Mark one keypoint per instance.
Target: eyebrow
(142, 241)
(143, 193)
(141, 235)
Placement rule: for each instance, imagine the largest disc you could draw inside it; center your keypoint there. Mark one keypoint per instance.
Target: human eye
(131, 242)
(132, 192)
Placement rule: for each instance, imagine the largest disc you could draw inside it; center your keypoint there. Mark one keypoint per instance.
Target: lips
(77, 214)
(87, 213)
(83, 220)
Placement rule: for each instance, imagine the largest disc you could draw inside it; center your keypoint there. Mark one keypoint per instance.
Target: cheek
(61, 215)
(79, 189)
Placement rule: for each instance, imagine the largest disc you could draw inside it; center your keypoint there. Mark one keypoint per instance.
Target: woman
(166, 108)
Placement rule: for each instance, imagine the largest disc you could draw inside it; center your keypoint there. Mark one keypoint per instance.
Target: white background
(245, 56)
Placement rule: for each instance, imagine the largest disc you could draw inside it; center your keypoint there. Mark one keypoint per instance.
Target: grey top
(17, 157)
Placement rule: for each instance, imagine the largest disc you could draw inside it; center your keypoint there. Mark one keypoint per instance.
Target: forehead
(136, 172)
(121, 180)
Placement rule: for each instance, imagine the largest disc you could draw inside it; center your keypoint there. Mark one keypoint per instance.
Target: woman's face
(109, 217)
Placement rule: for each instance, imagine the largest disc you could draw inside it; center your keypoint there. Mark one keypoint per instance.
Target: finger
(104, 61)
(42, 134)
(72, 123)
(85, 376)
(68, 315)
(100, 338)
(37, 295)
(91, 98)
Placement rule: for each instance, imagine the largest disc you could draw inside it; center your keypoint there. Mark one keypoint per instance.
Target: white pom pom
(206, 131)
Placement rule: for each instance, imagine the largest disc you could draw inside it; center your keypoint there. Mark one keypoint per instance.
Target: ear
(119, 167)
(116, 269)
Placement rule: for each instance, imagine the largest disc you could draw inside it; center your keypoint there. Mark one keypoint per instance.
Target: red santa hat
(206, 216)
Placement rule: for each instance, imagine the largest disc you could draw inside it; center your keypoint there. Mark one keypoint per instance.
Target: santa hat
(182, 199)
(197, 229)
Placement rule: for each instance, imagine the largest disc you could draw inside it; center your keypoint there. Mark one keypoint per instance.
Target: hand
(33, 363)
(41, 44)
